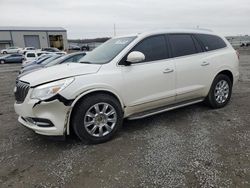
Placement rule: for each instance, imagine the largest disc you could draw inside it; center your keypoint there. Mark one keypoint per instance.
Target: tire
(2, 61)
(93, 127)
(4, 52)
(220, 92)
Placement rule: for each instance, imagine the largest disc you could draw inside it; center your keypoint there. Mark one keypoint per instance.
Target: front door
(151, 83)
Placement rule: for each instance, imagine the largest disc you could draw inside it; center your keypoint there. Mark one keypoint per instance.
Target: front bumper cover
(55, 110)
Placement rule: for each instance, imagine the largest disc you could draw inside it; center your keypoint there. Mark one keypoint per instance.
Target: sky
(96, 18)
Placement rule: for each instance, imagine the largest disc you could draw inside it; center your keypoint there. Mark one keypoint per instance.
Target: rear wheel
(220, 91)
(4, 52)
(97, 118)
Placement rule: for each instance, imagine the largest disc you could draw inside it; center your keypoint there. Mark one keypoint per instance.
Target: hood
(58, 72)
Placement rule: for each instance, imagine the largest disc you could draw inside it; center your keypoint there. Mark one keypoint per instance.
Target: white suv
(32, 56)
(128, 77)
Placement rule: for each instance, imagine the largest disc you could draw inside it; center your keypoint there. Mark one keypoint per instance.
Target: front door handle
(168, 70)
(205, 63)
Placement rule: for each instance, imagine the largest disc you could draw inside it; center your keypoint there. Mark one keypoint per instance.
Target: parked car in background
(74, 47)
(245, 43)
(11, 58)
(69, 58)
(85, 48)
(128, 77)
(24, 50)
(36, 66)
(39, 60)
(33, 55)
(54, 60)
(11, 50)
(31, 60)
(53, 50)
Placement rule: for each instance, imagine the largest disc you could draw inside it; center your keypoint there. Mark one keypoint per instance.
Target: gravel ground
(189, 147)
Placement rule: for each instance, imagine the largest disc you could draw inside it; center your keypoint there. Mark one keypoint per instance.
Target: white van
(131, 77)
(32, 56)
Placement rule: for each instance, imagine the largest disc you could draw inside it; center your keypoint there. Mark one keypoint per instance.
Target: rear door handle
(205, 63)
(168, 70)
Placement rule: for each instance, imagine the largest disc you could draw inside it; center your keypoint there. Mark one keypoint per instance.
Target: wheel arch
(83, 95)
(227, 73)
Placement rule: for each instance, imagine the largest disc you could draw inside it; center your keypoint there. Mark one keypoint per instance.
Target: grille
(21, 91)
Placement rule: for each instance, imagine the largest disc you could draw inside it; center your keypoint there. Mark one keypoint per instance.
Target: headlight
(47, 91)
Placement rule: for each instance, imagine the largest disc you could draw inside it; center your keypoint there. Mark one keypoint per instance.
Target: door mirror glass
(135, 57)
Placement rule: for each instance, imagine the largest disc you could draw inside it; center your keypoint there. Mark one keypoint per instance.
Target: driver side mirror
(134, 57)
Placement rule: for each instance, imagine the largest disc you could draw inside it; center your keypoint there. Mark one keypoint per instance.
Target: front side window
(16, 55)
(211, 42)
(107, 51)
(154, 48)
(182, 44)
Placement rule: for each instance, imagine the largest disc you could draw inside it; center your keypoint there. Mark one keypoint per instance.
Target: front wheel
(97, 118)
(2, 61)
(220, 91)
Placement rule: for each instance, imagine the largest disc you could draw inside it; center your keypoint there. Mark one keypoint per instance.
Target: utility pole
(114, 30)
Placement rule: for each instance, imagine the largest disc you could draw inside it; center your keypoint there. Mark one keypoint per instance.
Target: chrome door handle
(205, 63)
(168, 70)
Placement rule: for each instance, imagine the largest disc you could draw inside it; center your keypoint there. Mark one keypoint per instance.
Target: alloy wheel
(100, 119)
(221, 91)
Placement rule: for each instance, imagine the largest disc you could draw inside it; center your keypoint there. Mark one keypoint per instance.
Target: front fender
(84, 93)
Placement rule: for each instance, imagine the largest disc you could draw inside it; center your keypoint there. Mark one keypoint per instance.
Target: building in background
(38, 37)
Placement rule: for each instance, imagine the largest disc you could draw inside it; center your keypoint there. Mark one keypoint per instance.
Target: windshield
(107, 51)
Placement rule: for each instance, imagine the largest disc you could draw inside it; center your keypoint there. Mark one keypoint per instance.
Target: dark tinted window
(197, 45)
(78, 57)
(182, 44)
(16, 55)
(211, 42)
(31, 55)
(71, 59)
(154, 48)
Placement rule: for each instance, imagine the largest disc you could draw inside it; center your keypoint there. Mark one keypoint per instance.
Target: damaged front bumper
(48, 117)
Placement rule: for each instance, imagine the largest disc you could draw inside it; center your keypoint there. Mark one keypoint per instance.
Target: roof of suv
(156, 32)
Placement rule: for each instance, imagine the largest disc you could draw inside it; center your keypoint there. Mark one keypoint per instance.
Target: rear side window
(31, 55)
(211, 42)
(182, 44)
(154, 48)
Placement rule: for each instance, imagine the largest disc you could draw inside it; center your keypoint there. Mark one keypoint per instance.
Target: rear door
(192, 71)
(151, 83)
